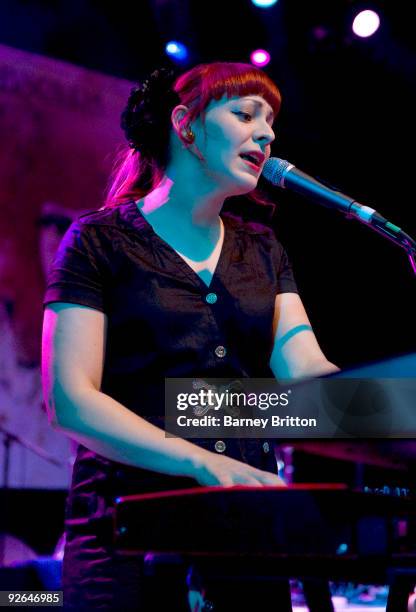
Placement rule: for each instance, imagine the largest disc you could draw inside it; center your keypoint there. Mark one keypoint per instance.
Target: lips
(255, 158)
(254, 168)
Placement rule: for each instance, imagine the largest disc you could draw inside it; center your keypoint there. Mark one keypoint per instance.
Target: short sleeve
(76, 275)
(285, 279)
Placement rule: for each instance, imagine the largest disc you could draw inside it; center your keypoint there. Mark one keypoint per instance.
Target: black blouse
(163, 320)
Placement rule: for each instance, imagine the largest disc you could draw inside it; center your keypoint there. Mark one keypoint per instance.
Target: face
(235, 141)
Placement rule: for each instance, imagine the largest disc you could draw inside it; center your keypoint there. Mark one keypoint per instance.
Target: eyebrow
(260, 105)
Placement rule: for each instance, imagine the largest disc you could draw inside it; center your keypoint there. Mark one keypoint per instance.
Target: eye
(245, 116)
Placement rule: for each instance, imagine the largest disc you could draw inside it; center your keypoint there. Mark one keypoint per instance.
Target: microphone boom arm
(285, 175)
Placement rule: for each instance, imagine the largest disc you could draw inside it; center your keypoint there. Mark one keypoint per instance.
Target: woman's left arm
(296, 352)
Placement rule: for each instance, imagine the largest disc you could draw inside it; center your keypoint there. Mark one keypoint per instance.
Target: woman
(158, 284)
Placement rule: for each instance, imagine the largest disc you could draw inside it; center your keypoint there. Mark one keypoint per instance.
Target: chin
(245, 185)
(239, 183)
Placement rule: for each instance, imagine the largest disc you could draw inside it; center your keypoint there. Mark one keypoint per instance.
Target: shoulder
(247, 226)
(256, 234)
(124, 216)
(102, 216)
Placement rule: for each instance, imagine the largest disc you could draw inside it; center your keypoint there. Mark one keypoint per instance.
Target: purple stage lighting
(366, 23)
(260, 57)
(176, 50)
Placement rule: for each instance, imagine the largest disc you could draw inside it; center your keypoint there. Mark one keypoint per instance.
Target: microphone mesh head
(274, 170)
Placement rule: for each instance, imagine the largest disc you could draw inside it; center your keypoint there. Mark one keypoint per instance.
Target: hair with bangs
(197, 87)
(135, 174)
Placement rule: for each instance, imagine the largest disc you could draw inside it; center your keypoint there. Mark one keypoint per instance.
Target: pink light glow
(260, 57)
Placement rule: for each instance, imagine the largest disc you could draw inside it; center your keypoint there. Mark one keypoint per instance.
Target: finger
(270, 479)
(226, 481)
(253, 482)
(249, 480)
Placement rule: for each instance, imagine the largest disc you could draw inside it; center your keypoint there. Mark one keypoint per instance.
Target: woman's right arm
(73, 351)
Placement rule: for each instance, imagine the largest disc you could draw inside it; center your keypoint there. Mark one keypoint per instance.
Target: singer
(157, 283)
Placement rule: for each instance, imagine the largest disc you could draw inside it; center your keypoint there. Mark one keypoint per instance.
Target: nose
(264, 134)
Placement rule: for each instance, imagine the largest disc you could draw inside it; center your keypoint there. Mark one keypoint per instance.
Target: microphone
(282, 173)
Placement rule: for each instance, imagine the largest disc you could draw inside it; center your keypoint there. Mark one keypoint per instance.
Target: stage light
(366, 23)
(264, 3)
(176, 50)
(260, 57)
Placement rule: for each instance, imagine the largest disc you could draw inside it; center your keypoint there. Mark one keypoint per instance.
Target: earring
(188, 135)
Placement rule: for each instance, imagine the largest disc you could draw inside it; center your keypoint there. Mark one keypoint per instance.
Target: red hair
(135, 175)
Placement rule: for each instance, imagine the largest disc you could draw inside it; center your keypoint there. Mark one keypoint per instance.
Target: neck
(192, 228)
(195, 201)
